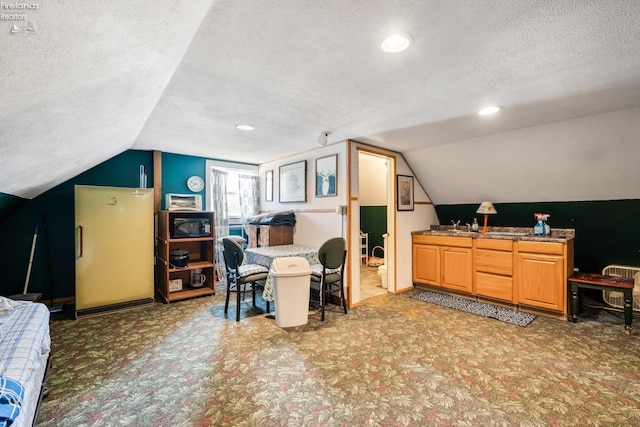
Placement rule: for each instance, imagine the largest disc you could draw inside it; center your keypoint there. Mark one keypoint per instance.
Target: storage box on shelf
(175, 282)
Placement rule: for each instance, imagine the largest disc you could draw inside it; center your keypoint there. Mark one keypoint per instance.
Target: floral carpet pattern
(392, 361)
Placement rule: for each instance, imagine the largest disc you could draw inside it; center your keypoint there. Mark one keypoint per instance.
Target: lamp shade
(486, 208)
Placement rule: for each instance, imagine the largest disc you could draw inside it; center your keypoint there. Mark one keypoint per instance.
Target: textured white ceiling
(100, 78)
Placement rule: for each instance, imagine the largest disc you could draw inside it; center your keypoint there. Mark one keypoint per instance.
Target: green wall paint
(607, 232)
(8, 204)
(373, 220)
(53, 264)
(176, 169)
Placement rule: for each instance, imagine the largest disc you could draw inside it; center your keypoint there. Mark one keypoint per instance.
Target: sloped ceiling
(97, 79)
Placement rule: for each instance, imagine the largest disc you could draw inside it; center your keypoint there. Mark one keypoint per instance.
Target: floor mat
(481, 309)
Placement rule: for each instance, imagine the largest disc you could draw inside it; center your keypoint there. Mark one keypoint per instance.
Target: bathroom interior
(373, 224)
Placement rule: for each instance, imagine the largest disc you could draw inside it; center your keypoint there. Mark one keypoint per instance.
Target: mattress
(25, 344)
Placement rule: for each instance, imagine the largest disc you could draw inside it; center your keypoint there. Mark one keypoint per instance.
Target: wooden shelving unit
(201, 256)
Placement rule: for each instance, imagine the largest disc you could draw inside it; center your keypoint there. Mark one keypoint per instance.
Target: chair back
(233, 254)
(332, 253)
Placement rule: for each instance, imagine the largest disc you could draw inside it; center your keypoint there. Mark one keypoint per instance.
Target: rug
(478, 308)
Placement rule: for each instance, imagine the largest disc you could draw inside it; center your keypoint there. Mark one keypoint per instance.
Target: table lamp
(487, 209)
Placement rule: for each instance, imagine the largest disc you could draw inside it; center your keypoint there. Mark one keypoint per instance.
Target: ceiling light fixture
(244, 127)
(492, 109)
(322, 138)
(396, 43)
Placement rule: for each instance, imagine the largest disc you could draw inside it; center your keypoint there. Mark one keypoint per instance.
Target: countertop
(561, 235)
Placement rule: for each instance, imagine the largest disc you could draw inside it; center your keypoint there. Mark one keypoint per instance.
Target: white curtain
(219, 201)
(249, 196)
(221, 214)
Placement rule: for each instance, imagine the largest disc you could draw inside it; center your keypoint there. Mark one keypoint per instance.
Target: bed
(25, 346)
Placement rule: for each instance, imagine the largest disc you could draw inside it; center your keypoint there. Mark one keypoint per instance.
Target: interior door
(114, 245)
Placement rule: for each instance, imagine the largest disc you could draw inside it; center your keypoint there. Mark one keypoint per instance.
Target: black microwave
(190, 227)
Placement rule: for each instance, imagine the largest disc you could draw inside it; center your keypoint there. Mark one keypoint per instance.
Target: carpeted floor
(393, 361)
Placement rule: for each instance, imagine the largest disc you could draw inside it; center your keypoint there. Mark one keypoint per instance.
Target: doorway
(375, 192)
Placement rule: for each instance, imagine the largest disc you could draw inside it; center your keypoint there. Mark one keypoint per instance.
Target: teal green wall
(607, 232)
(53, 264)
(8, 205)
(176, 169)
(373, 220)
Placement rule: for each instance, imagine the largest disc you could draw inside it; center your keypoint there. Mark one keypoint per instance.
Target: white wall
(373, 184)
(316, 218)
(590, 158)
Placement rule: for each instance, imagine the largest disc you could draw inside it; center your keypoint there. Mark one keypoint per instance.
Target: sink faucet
(468, 227)
(455, 224)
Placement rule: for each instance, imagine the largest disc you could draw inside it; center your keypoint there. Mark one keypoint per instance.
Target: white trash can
(291, 286)
(382, 272)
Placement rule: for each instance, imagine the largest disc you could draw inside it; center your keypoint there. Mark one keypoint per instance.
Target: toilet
(382, 270)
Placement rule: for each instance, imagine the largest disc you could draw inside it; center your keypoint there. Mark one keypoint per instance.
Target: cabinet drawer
(496, 262)
(493, 286)
(496, 244)
(463, 242)
(540, 247)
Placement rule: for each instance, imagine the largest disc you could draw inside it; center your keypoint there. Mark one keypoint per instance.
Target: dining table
(266, 254)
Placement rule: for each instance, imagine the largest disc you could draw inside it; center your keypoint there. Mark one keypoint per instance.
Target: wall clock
(195, 183)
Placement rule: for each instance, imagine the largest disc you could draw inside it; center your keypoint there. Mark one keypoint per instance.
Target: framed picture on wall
(327, 176)
(293, 182)
(268, 186)
(405, 192)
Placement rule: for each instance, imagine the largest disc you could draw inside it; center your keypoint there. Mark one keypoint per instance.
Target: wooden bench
(602, 282)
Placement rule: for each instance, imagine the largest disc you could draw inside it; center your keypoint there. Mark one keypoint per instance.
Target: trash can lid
(290, 266)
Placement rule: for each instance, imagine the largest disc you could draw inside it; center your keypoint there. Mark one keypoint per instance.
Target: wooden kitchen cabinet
(526, 273)
(426, 264)
(494, 269)
(443, 261)
(542, 270)
(456, 266)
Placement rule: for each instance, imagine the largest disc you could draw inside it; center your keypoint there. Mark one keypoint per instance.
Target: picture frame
(268, 186)
(327, 176)
(404, 188)
(293, 182)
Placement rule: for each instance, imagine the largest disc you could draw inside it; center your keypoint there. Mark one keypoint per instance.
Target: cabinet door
(541, 281)
(456, 265)
(426, 264)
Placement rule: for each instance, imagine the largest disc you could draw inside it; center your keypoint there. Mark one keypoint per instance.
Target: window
(233, 195)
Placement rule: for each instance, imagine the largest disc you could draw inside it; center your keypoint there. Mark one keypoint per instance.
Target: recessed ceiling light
(396, 43)
(244, 127)
(489, 110)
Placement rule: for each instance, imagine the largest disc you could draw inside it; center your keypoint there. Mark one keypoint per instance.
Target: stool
(602, 282)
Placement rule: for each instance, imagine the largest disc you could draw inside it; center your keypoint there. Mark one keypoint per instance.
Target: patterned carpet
(393, 361)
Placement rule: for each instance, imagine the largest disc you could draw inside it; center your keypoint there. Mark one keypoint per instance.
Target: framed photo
(327, 176)
(293, 182)
(405, 192)
(268, 186)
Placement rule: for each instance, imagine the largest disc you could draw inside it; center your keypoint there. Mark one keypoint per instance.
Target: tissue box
(175, 285)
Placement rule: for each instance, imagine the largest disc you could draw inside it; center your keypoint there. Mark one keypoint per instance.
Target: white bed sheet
(25, 344)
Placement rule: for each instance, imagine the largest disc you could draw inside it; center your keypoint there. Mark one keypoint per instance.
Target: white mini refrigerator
(114, 229)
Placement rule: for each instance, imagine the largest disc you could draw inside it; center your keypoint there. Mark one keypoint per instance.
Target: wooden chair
(329, 274)
(238, 275)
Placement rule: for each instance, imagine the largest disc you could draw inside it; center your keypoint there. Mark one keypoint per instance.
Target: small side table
(602, 282)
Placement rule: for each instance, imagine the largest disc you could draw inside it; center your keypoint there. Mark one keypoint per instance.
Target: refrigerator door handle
(79, 241)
